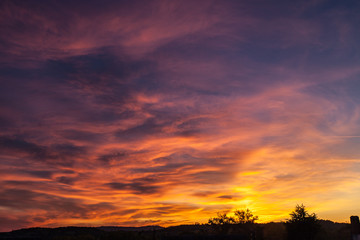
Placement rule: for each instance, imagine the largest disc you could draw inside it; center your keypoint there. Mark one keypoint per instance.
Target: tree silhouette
(245, 216)
(221, 219)
(241, 217)
(302, 225)
(223, 223)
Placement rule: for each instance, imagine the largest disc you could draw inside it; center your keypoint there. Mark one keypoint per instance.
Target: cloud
(107, 158)
(30, 201)
(11, 144)
(10, 223)
(138, 186)
(62, 154)
(212, 177)
(82, 136)
(147, 129)
(40, 174)
(66, 180)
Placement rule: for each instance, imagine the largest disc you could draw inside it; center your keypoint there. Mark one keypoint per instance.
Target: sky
(134, 113)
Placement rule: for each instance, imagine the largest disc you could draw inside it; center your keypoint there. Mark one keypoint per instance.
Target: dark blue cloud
(62, 154)
(28, 199)
(138, 186)
(117, 156)
(150, 128)
(85, 136)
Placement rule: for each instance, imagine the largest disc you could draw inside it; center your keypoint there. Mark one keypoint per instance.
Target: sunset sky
(166, 112)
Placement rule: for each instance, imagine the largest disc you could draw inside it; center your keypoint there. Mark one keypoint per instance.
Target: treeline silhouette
(241, 225)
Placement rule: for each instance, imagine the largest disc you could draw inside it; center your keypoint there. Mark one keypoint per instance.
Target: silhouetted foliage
(224, 224)
(221, 219)
(245, 216)
(302, 225)
(240, 217)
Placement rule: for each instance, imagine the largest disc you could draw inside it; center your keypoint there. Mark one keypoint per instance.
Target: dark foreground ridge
(269, 231)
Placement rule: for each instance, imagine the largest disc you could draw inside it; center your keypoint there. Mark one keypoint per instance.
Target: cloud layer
(138, 112)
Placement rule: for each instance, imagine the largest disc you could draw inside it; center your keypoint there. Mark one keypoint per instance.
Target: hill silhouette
(260, 231)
